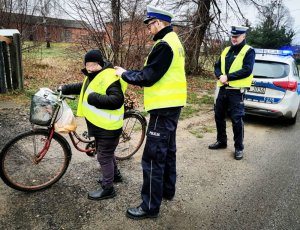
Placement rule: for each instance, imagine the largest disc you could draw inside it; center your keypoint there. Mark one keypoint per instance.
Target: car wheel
(293, 120)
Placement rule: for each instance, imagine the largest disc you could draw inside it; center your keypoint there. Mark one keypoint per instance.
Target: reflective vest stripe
(102, 113)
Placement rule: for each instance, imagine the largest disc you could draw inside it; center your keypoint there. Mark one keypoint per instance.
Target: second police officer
(234, 72)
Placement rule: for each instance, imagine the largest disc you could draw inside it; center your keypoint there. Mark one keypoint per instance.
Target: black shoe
(218, 145)
(138, 213)
(238, 154)
(117, 178)
(102, 194)
(168, 198)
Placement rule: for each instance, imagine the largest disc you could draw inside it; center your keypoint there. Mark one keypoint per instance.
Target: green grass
(73, 105)
(188, 112)
(200, 131)
(57, 50)
(206, 99)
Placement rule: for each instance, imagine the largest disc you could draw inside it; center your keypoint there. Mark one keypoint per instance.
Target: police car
(275, 87)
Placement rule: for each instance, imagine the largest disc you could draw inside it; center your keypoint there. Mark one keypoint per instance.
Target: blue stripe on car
(268, 100)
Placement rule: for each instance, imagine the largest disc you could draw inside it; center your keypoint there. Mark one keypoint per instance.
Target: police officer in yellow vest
(234, 72)
(101, 102)
(165, 93)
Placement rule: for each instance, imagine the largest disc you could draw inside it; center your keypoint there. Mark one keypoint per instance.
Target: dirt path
(65, 205)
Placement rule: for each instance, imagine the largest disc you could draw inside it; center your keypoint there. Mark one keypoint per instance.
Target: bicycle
(36, 159)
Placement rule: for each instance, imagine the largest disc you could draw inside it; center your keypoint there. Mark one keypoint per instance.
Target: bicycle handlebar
(62, 96)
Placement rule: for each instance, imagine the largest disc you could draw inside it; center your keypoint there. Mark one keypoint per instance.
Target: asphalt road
(263, 190)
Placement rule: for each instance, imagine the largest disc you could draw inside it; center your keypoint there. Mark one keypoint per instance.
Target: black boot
(238, 154)
(218, 145)
(138, 213)
(102, 193)
(117, 178)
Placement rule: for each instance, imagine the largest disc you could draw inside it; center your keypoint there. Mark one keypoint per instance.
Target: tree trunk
(200, 23)
(116, 25)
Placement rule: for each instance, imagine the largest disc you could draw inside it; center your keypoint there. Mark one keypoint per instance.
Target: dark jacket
(114, 99)
(230, 57)
(158, 63)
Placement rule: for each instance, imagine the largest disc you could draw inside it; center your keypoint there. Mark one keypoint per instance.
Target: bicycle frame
(75, 138)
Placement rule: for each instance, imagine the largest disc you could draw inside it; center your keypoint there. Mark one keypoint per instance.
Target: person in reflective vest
(234, 72)
(101, 102)
(165, 93)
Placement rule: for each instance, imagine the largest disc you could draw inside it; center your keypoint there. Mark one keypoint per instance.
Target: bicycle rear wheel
(133, 135)
(19, 168)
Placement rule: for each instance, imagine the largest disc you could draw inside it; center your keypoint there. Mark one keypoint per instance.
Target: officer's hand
(119, 70)
(223, 79)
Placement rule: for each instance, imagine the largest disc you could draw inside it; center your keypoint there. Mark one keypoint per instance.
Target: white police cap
(156, 13)
(237, 30)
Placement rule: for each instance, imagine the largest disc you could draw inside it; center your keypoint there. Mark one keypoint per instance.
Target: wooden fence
(11, 72)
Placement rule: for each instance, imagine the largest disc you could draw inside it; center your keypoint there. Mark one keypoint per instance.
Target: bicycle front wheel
(133, 135)
(20, 168)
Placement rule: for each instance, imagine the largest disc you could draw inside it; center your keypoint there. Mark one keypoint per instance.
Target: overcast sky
(294, 8)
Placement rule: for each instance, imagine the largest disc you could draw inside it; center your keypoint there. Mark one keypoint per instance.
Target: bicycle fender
(137, 113)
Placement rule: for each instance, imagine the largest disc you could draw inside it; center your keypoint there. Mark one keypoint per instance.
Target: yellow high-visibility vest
(236, 65)
(103, 118)
(171, 89)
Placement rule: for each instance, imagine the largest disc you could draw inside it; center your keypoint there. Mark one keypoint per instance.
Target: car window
(267, 69)
(295, 69)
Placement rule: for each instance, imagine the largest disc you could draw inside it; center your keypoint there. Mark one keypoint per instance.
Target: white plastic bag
(65, 121)
(43, 105)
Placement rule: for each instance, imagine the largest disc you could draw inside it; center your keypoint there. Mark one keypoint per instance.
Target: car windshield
(267, 69)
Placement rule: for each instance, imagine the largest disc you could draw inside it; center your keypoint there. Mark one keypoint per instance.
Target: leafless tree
(18, 14)
(204, 26)
(277, 11)
(115, 27)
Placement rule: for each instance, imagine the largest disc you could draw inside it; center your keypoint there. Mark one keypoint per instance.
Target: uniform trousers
(159, 160)
(231, 102)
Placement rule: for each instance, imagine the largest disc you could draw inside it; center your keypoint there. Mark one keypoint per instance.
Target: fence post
(6, 66)
(11, 72)
(19, 71)
(2, 71)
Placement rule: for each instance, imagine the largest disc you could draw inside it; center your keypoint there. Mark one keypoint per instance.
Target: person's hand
(119, 70)
(223, 79)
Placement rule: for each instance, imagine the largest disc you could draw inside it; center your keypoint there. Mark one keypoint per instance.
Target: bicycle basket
(41, 110)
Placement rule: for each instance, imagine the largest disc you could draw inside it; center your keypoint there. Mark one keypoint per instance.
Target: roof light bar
(274, 52)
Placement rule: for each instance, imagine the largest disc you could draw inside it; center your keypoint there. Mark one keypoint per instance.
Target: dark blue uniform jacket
(231, 55)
